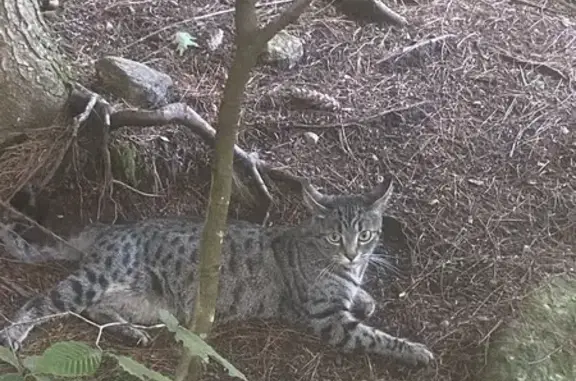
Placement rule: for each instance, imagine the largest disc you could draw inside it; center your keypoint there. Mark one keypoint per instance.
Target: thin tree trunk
(250, 40)
(32, 79)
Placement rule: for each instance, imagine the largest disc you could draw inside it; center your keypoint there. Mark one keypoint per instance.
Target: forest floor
(480, 139)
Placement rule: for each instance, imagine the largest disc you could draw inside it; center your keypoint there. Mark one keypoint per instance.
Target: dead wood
(371, 10)
(541, 67)
(414, 48)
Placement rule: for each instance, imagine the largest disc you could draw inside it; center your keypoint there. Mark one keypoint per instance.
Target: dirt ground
(482, 148)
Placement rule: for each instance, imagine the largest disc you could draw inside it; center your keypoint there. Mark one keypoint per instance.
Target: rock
(135, 82)
(283, 50)
(311, 138)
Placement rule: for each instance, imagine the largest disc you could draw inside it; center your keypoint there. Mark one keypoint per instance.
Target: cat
(309, 274)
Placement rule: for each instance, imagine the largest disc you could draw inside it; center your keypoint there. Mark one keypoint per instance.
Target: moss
(125, 162)
(541, 344)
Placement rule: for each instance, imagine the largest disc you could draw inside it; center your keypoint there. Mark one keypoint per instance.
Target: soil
(480, 142)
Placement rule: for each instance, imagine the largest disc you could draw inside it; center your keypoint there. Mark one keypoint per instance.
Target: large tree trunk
(32, 79)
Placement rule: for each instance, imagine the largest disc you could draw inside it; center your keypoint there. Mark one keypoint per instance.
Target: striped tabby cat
(307, 274)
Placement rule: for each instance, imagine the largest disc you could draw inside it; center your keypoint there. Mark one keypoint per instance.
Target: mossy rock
(541, 344)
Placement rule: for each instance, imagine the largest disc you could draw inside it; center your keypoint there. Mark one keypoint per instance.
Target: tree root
(82, 100)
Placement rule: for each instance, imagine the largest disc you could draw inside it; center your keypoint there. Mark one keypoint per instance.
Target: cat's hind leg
(74, 294)
(136, 302)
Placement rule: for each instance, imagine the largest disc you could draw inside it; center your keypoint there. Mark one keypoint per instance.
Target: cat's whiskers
(379, 260)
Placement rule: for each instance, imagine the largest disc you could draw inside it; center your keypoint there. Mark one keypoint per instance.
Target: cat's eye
(365, 236)
(333, 238)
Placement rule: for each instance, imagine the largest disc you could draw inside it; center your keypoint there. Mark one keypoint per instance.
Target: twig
(389, 14)
(521, 133)
(101, 327)
(542, 67)
(283, 20)
(359, 121)
(409, 49)
(198, 18)
(487, 336)
(114, 181)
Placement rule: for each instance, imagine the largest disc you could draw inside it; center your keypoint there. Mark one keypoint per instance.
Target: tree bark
(32, 77)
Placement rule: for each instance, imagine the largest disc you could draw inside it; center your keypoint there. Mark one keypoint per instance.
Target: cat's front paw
(364, 306)
(417, 355)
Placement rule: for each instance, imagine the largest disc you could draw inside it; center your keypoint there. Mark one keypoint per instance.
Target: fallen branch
(412, 48)
(181, 113)
(373, 10)
(360, 121)
(541, 67)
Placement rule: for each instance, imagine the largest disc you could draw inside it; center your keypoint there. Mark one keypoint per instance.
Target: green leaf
(11, 377)
(200, 348)
(69, 359)
(183, 41)
(196, 345)
(138, 370)
(9, 357)
(30, 362)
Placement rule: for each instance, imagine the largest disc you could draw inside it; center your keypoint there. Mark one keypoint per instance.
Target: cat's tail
(22, 250)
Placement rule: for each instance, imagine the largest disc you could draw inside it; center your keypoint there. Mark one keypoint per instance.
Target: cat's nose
(351, 254)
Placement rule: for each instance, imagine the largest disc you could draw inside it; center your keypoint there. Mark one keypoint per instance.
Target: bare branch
(246, 21)
(181, 113)
(281, 21)
(388, 14)
(412, 48)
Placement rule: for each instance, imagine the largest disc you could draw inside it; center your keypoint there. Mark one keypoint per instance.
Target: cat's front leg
(336, 325)
(363, 306)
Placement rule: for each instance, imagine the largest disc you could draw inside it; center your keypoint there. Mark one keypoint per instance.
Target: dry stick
(542, 67)
(101, 327)
(250, 40)
(358, 121)
(389, 14)
(409, 49)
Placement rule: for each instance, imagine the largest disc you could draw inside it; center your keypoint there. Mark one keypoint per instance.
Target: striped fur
(307, 274)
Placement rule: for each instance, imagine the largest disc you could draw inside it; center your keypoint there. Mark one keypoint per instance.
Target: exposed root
(180, 113)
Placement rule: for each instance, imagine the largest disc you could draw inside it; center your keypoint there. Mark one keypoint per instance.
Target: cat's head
(348, 226)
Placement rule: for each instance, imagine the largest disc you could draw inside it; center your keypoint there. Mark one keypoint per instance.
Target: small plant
(72, 359)
(183, 41)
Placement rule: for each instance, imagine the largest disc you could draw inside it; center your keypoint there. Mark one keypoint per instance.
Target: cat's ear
(314, 200)
(380, 196)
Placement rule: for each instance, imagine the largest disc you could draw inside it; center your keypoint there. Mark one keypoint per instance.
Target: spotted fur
(307, 274)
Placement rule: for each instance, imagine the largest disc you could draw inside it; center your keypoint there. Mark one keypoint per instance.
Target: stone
(136, 83)
(311, 138)
(283, 50)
